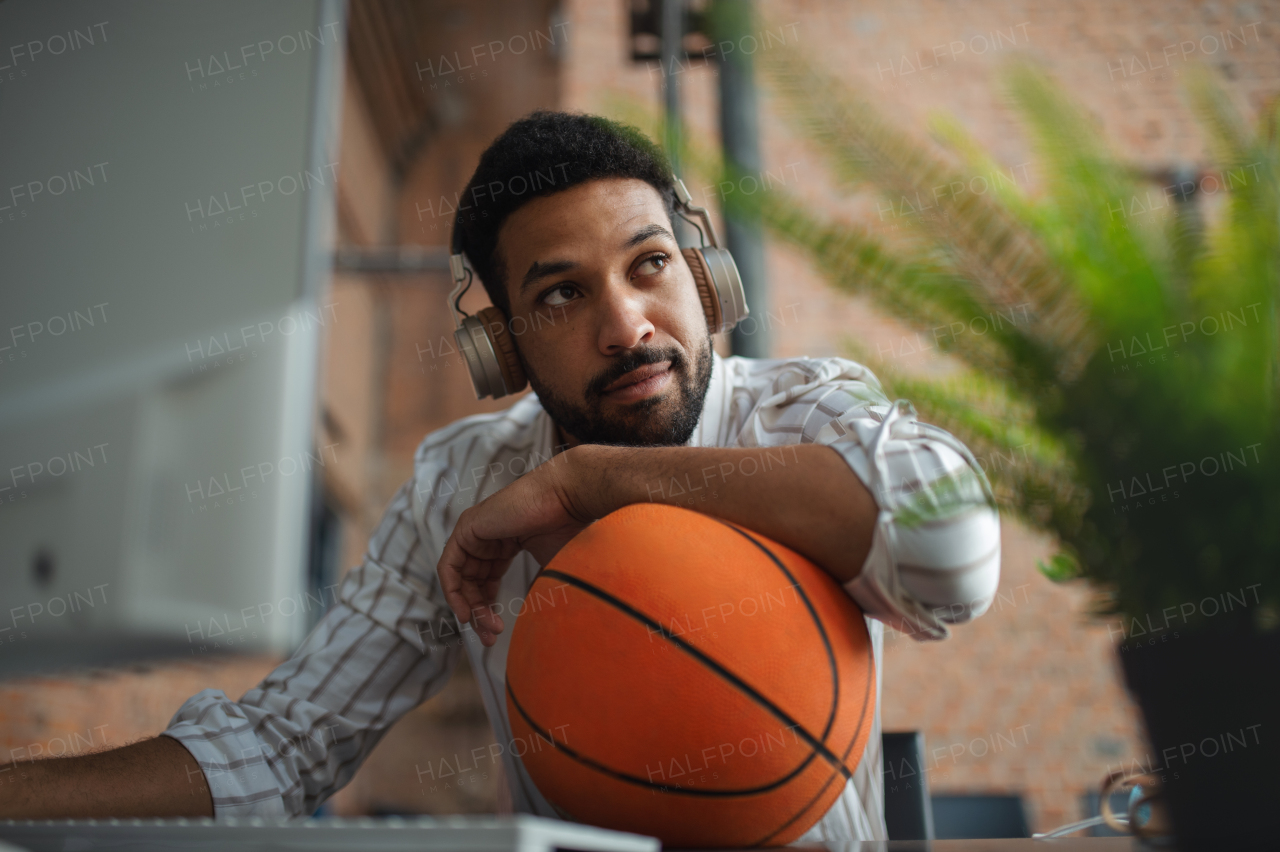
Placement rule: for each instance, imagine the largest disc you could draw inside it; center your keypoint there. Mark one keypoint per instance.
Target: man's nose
(624, 323)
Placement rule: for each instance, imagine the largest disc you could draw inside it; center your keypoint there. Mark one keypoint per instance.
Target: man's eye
(658, 263)
(558, 296)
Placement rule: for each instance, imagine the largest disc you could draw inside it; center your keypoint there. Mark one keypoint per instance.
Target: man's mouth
(640, 383)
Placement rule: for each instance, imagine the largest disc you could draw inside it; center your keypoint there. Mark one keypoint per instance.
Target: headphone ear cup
(706, 290)
(728, 286)
(495, 326)
(718, 285)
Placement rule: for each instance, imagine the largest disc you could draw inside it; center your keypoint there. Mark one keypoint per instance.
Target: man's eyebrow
(538, 271)
(647, 232)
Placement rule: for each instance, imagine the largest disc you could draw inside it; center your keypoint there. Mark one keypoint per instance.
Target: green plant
(1086, 377)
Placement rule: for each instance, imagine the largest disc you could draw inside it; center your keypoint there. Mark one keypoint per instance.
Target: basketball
(690, 679)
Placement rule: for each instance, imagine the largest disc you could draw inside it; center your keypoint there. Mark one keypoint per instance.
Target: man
(629, 394)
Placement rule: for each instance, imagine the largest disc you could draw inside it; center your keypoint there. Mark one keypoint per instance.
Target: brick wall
(95, 710)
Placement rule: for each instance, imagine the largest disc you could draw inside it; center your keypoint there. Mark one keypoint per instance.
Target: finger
(481, 627)
(482, 583)
(470, 571)
(468, 581)
(461, 609)
(484, 547)
(465, 600)
(450, 571)
(490, 620)
(473, 602)
(489, 594)
(483, 617)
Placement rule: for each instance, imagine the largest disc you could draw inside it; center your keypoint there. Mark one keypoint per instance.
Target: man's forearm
(153, 778)
(804, 496)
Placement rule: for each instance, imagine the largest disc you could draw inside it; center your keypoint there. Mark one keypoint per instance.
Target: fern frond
(984, 244)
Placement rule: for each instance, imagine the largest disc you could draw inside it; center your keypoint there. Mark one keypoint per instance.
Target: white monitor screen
(166, 181)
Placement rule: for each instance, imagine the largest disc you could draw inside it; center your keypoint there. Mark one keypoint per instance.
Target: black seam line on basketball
(643, 782)
(866, 702)
(817, 622)
(716, 667)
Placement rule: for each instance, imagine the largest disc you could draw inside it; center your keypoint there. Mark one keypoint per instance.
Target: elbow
(952, 566)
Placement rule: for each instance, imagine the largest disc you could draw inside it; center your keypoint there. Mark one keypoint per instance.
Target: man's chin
(645, 421)
(665, 418)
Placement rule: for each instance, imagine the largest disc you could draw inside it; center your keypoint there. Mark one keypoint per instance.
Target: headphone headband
(686, 201)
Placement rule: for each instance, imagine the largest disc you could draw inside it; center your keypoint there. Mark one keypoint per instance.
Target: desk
(1020, 844)
(521, 833)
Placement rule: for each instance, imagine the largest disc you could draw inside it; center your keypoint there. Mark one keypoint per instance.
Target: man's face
(606, 315)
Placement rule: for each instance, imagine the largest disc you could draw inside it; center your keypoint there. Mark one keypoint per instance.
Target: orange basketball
(686, 678)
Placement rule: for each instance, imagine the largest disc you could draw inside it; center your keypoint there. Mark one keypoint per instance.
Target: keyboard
(518, 833)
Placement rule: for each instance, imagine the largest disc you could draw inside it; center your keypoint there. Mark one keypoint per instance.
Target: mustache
(634, 360)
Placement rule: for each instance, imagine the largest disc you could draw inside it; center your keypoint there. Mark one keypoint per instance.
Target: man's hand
(539, 512)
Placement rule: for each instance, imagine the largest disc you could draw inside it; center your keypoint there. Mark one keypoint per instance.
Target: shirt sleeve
(935, 552)
(388, 644)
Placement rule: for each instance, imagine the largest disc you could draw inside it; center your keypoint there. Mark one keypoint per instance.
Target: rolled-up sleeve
(387, 645)
(935, 552)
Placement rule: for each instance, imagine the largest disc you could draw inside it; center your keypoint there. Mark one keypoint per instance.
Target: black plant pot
(1211, 702)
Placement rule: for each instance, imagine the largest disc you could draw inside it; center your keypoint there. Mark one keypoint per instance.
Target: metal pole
(731, 19)
(670, 52)
(671, 55)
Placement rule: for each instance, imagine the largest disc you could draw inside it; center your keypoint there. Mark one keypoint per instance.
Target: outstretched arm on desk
(153, 778)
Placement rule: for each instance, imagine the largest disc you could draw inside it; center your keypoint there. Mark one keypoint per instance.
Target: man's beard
(590, 425)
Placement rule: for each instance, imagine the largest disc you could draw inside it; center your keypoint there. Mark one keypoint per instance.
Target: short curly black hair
(541, 154)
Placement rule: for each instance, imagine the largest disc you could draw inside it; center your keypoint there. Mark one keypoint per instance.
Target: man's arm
(153, 778)
(386, 645)
(804, 496)
(898, 511)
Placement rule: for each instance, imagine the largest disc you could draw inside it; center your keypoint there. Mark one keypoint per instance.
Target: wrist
(590, 478)
(573, 473)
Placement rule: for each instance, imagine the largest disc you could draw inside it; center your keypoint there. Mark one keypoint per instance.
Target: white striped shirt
(390, 641)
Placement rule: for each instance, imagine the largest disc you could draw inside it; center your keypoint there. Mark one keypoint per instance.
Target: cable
(701, 237)
(1072, 827)
(457, 303)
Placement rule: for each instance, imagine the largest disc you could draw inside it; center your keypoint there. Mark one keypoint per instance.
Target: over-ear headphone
(486, 344)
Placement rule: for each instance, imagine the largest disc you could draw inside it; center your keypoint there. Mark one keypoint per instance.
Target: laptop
(517, 833)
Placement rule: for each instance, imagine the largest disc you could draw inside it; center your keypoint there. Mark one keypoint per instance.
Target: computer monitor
(167, 178)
